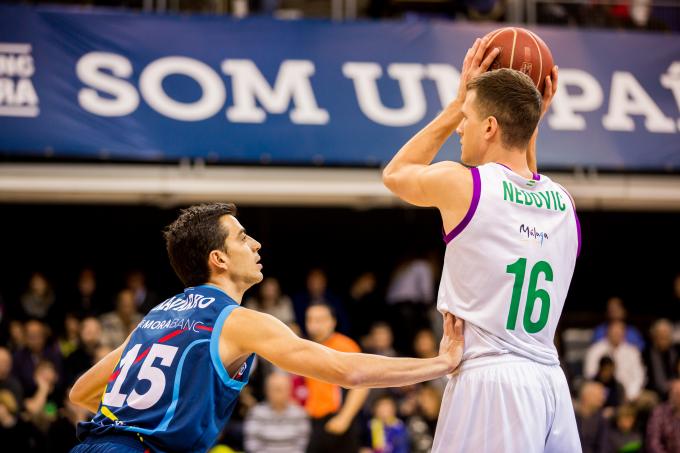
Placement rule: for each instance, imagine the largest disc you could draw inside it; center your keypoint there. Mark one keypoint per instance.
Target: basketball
(522, 50)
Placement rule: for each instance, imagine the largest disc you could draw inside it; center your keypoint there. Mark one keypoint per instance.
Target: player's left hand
(549, 90)
(338, 425)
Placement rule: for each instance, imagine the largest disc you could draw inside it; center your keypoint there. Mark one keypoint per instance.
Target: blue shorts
(112, 443)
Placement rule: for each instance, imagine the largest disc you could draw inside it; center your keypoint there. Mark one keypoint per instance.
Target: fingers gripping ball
(522, 50)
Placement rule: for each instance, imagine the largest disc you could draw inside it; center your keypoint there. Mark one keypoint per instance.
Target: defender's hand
(473, 65)
(452, 344)
(337, 425)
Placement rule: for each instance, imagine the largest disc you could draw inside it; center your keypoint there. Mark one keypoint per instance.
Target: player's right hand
(475, 64)
(453, 343)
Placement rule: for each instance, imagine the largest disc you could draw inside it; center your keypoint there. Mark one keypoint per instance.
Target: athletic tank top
(509, 263)
(170, 388)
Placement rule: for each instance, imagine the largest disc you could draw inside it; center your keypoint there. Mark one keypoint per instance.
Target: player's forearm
(425, 145)
(377, 371)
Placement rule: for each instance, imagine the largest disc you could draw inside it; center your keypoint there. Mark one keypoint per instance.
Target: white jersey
(509, 263)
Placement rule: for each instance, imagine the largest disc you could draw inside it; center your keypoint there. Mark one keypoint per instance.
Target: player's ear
(218, 259)
(490, 127)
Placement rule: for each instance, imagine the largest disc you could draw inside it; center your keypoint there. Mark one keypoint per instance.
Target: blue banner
(119, 85)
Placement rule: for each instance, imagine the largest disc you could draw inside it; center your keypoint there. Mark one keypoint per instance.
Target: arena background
(103, 136)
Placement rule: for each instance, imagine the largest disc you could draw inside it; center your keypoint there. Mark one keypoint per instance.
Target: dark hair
(329, 307)
(190, 239)
(512, 98)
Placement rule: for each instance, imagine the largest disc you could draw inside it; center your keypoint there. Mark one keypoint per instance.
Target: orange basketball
(521, 50)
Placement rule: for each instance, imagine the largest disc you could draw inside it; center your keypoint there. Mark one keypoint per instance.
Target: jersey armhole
(578, 222)
(215, 350)
(476, 192)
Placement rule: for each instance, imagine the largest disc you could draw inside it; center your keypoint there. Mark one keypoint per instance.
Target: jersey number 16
(518, 269)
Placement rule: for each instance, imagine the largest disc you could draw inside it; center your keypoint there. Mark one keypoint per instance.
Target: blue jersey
(170, 388)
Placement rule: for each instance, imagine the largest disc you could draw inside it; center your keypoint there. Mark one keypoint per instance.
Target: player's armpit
(444, 185)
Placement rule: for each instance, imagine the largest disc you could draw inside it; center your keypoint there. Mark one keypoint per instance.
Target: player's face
(471, 131)
(242, 252)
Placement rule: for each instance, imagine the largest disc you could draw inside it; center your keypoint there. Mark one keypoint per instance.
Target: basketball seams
(540, 58)
(514, 43)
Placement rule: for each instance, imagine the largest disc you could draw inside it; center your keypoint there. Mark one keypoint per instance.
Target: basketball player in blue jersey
(512, 237)
(172, 385)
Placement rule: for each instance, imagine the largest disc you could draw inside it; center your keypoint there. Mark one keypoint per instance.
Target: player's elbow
(389, 178)
(76, 395)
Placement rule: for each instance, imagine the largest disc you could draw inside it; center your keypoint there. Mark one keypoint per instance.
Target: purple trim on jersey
(534, 176)
(476, 192)
(578, 230)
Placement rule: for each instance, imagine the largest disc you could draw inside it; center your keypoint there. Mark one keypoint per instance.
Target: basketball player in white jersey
(512, 238)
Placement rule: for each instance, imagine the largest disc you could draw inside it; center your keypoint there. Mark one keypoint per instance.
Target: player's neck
(515, 160)
(232, 289)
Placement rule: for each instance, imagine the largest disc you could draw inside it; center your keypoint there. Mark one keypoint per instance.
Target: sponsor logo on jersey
(181, 323)
(530, 232)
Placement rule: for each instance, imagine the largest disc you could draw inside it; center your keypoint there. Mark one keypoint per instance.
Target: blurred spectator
(38, 298)
(41, 408)
(7, 381)
(83, 358)
(333, 420)
(388, 433)
(592, 426)
(68, 339)
(363, 304)
(317, 293)
(425, 346)
(14, 432)
(117, 325)
(614, 391)
(380, 340)
(85, 300)
(629, 369)
(661, 358)
(17, 336)
(616, 311)
(422, 422)
(144, 298)
(277, 425)
(101, 352)
(624, 437)
(62, 433)
(663, 429)
(36, 350)
(410, 296)
(270, 300)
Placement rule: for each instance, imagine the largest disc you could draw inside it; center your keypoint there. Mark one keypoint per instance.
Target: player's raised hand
(452, 343)
(475, 64)
(549, 90)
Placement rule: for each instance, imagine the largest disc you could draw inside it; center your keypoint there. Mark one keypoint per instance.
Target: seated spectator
(625, 437)
(7, 381)
(592, 426)
(277, 425)
(41, 407)
(38, 299)
(144, 298)
(364, 306)
(117, 325)
(629, 369)
(663, 429)
(68, 338)
(422, 422)
(316, 292)
(379, 340)
(85, 300)
(83, 358)
(606, 375)
(270, 300)
(17, 336)
(661, 358)
(616, 311)
(388, 434)
(37, 349)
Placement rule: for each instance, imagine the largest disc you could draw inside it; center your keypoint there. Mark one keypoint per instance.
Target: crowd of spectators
(624, 378)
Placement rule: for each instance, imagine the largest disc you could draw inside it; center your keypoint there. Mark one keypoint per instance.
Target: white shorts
(509, 404)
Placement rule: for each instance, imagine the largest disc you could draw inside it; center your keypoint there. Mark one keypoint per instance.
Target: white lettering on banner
(292, 84)
(365, 76)
(122, 97)
(627, 97)
(565, 105)
(109, 92)
(671, 81)
(212, 97)
(17, 94)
